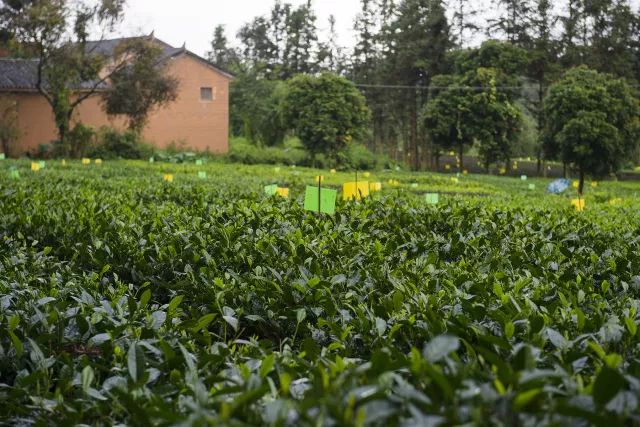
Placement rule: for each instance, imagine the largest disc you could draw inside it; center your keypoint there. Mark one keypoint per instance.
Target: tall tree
(330, 54)
(463, 24)
(513, 22)
(421, 40)
(221, 55)
(301, 46)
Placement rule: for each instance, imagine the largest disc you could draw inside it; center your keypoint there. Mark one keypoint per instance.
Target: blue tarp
(558, 186)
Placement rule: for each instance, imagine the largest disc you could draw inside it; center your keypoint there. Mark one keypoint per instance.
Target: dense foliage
(401, 45)
(326, 112)
(126, 299)
(593, 122)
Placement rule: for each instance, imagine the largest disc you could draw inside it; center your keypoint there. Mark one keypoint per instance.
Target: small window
(206, 94)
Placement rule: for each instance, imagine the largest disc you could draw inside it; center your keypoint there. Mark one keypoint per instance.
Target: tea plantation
(125, 299)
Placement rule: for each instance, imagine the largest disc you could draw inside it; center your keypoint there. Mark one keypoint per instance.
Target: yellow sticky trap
(578, 204)
(454, 180)
(352, 190)
(35, 166)
(614, 202)
(447, 167)
(319, 178)
(393, 182)
(332, 171)
(575, 184)
(366, 174)
(465, 172)
(98, 161)
(594, 183)
(503, 171)
(282, 192)
(375, 186)
(452, 153)
(63, 162)
(168, 177)
(86, 161)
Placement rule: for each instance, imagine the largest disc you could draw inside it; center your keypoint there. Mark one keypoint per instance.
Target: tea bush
(125, 299)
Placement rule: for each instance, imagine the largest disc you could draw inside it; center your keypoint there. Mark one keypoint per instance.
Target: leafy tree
(140, 86)
(447, 117)
(592, 122)
(326, 112)
(256, 109)
(56, 33)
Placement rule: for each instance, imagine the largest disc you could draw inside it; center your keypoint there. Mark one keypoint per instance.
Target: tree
(221, 55)
(514, 22)
(326, 112)
(421, 39)
(256, 109)
(140, 86)
(56, 33)
(447, 117)
(9, 131)
(592, 122)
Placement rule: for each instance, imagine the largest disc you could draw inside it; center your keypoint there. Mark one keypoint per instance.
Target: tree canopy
(326, 112)
(592, 122)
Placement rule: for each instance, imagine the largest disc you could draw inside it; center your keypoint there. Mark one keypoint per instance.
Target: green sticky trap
(151, 160)
(14, 174)
(523, 177)
(42, 164)
(532, 186)
(199, 162)
(327, 200)
(271, 190)
(414, 185)
(202, 174)
(432, 198)
(2, 156)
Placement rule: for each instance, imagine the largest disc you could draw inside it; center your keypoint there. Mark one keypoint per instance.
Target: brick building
(199, 117)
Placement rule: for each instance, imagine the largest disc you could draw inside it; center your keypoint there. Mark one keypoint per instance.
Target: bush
(112, 144)
(241, 151)
(78, 142)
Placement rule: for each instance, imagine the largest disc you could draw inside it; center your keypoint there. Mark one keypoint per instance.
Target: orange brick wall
(203, 126)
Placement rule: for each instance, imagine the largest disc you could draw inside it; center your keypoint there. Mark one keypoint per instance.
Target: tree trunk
(414, 139)
(460, 147)
(581, 183)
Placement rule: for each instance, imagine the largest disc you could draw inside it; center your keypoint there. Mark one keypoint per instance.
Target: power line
(407, 87)
(362, 85)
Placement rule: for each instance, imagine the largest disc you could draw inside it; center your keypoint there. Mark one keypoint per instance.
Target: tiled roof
(21, 74)
(18, 73)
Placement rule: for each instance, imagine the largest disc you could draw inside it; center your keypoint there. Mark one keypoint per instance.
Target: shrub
(114, 144)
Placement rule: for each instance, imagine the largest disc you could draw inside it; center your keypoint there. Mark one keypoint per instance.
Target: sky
(193, 21)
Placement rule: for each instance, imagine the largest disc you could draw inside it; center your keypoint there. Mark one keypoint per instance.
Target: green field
(127, 299)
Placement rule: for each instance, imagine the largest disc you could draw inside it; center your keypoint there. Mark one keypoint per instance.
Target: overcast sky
(193, 21)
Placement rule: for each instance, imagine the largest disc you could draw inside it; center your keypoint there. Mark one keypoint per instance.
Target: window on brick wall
(206, 94)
